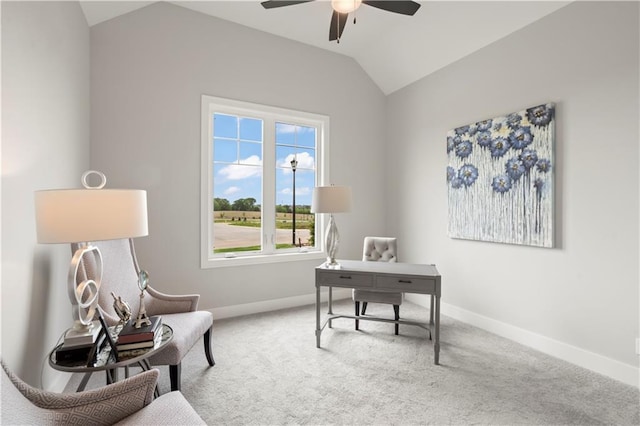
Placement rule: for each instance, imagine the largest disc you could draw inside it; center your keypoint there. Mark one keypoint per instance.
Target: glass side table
(105, 361)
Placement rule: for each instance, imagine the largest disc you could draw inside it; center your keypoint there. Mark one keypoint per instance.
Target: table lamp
(82, 216)
(331, 199)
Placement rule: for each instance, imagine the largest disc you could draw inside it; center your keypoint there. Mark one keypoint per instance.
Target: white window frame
(211, 105)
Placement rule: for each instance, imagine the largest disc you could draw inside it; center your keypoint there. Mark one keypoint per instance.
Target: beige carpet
(269, 372)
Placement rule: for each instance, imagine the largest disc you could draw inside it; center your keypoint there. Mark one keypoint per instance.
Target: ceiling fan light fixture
(345, 6)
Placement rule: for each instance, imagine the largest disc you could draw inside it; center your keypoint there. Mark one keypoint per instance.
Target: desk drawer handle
(345, 277)
(405, 281)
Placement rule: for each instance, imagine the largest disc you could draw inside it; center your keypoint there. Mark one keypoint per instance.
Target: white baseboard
(600, 364)
(273, 305)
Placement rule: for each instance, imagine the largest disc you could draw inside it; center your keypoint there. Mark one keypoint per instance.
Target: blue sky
(238, 160)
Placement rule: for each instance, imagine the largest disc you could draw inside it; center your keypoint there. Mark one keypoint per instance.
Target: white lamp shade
(84, 215)
(331, 199)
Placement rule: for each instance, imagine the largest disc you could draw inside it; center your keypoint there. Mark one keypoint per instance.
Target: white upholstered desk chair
(378, 249)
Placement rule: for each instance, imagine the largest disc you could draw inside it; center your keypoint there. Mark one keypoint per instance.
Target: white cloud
(286, 128)
(305, 161)
(231, 190)
(246, 169)
(299, 191)
(303, 191)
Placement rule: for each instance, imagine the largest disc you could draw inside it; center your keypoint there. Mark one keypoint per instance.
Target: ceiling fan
(342, 8)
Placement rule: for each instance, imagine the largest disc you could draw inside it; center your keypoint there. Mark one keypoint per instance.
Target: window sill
(224, 262)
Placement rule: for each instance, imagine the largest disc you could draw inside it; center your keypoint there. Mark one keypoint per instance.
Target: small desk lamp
(331, 199)
(84, 215)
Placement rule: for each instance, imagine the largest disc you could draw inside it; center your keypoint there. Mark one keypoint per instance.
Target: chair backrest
(120, 275)
(380, 249)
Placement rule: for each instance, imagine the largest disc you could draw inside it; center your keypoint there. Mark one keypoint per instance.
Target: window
(259, 167)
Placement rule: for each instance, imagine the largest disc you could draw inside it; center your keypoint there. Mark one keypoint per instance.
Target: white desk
(382, 276)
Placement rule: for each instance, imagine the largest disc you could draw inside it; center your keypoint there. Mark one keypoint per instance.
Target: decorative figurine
(143, 319)
(122, 308)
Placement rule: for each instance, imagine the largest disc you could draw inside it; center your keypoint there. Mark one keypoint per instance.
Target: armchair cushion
(169, 409)
(188, 328)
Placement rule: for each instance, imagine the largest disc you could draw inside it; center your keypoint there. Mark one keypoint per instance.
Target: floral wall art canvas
(500, 178)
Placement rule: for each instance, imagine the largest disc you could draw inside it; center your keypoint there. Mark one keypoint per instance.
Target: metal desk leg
(431, 311)
(318, 331)
(436, 345)
(330, 311)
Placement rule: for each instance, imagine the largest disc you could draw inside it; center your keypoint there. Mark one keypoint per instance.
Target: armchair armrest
(161, 303)
(105, 405)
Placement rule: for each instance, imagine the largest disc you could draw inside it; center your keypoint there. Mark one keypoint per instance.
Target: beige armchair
(378, 249)
(127, 402)
(120, 276)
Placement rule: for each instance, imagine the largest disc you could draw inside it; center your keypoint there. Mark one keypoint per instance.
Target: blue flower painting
(500, 178)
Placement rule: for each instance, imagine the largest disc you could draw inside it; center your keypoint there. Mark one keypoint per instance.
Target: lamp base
(82, 288)
(331, 242)
(80, 327)
(331, 264)
(82, 334)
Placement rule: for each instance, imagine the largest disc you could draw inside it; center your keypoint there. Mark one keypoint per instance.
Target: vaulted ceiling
(394, 50)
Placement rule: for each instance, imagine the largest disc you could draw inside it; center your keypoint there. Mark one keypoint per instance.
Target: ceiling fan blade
(338, 21)
(270, 4)
(403, 7)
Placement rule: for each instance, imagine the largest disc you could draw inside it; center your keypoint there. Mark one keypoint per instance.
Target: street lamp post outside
(294, 165)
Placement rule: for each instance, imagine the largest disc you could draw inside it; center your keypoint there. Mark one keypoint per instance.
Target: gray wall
(45, 134)
(148, 71)
(584, 293)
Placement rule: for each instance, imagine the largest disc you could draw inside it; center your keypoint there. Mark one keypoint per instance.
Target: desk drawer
(408, 284)
(344, 279)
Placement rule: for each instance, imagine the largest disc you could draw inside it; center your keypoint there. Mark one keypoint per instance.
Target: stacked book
(145, 337)
(80, 345)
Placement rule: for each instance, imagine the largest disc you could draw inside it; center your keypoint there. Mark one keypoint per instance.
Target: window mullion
(269, 187)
